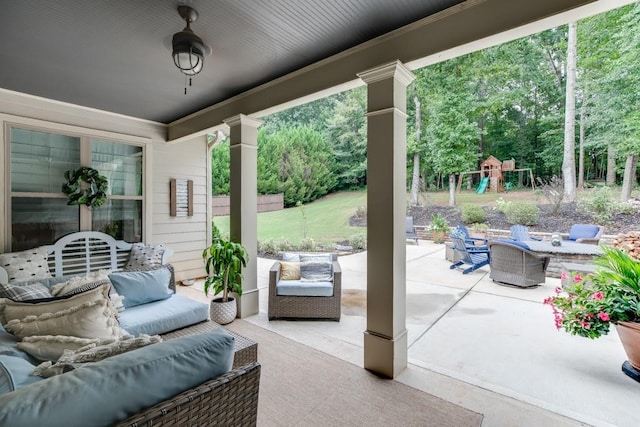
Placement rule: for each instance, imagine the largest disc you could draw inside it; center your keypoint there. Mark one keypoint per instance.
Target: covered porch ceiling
(115, 55)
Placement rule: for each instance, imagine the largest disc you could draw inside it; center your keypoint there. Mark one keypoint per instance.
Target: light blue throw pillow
(141, 287)
(15, 372)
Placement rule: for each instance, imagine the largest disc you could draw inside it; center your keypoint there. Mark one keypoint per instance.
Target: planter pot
(223, 312)
(438, 236)
(629, 333)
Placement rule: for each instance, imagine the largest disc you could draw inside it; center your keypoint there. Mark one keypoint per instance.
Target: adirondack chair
(475, 256)
(470, 241)
(410, 229)
(520, 233)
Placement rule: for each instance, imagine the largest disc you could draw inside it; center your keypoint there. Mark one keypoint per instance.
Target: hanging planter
(85, 186)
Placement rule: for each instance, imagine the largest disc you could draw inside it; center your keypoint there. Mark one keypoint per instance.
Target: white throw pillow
(145, 256)
(26, 265)
(86, 315)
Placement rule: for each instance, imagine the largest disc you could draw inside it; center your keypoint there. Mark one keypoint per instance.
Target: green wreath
(92, 194)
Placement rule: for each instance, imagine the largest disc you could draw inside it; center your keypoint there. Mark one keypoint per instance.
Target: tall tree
(415, 178)
(569, 157)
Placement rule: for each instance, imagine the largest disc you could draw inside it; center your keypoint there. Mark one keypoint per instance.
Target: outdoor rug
(301, 386)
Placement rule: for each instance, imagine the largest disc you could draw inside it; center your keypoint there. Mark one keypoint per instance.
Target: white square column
(243, 194)
(385, 340)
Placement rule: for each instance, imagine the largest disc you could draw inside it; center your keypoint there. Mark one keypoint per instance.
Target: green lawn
(327, 220)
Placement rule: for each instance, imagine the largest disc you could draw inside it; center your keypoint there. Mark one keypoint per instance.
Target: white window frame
(86, 135)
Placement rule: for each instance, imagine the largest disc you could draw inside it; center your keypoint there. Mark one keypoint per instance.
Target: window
(39, 211)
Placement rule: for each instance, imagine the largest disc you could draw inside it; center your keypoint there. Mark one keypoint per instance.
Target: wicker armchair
(230, 399)
(513, 264)
(305, 307)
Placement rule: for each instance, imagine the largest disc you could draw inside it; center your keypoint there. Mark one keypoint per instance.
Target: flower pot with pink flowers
(611, 295)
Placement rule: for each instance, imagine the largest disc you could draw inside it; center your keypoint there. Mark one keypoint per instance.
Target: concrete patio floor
(490, 348)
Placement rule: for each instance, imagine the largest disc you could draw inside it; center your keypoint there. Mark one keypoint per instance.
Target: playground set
(492, 175)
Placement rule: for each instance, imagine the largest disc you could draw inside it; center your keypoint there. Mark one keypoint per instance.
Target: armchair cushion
(583, 231)
(15, 372)
(304, 288)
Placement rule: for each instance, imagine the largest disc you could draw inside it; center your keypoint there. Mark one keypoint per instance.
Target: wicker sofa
(303, 306)
(228, 399)
(512, 263)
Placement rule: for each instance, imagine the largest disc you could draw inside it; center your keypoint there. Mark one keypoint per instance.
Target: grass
(327, 220)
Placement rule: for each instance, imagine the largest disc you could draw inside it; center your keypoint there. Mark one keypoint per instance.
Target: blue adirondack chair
(475, 256)
(520, 233)
(470, 241)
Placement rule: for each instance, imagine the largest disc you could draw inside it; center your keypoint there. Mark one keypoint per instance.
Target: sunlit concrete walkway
(490, 348)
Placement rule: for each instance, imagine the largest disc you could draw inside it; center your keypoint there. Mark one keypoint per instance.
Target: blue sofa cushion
(301, 288)
(105, 392)
(517, 243)
(163, 316)
(583, 231)
(15, 372)
(9, 346)
(141, 287)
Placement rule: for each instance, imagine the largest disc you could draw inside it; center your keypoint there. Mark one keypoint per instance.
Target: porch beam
(455, 31)
(243, 195)
(385, 340)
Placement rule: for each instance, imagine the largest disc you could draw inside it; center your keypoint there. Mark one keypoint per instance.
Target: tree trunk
(415, 180)
(629, 179)
(452, 189)
(581, 150)
(569, 158)
(611, 165)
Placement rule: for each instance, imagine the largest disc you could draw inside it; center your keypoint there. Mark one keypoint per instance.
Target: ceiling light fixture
(188, 49)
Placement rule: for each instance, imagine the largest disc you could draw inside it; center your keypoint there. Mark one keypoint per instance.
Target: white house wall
(187, 236)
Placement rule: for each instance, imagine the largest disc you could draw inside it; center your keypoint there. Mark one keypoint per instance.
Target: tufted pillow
(145, 256)
(79, 284)
(289, 270)
(86, 315)
(26, 265)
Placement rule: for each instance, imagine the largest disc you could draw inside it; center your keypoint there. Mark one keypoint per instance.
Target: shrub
(551, 190)
(525, 213)
(268, 246)
(358, 241)
(361, 212)
(502, 205)
(598, 205)
(283, 245)
(472, 214)
(307, 245)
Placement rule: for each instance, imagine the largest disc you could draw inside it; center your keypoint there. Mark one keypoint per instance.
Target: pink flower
(558, 290)
(597, 296)
(577, 278)
(549, 300)
(604, 316)
(563, 275)
(585, 325)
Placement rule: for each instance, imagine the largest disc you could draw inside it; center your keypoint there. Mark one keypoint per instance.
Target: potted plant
(439, 227)
(224, 261)
(590, 304)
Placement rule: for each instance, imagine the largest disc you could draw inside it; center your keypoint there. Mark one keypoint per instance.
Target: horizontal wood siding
(186, 235)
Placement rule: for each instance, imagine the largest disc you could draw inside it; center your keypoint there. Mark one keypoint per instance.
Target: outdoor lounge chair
(520, 233)
(294, 296)
(512, 263)
(470, 241)
(410, 229)
(475, 256)
(585, 233)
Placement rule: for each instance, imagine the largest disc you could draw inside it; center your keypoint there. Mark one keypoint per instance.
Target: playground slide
(483, 185)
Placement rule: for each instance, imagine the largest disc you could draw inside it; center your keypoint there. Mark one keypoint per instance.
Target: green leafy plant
(598, 205)
(479, 227)
(472, 214)
(223, 262)
(525, 213)
(590, 304)
(358, 241)
(307, 244)
(438, 224)
(551, 190)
